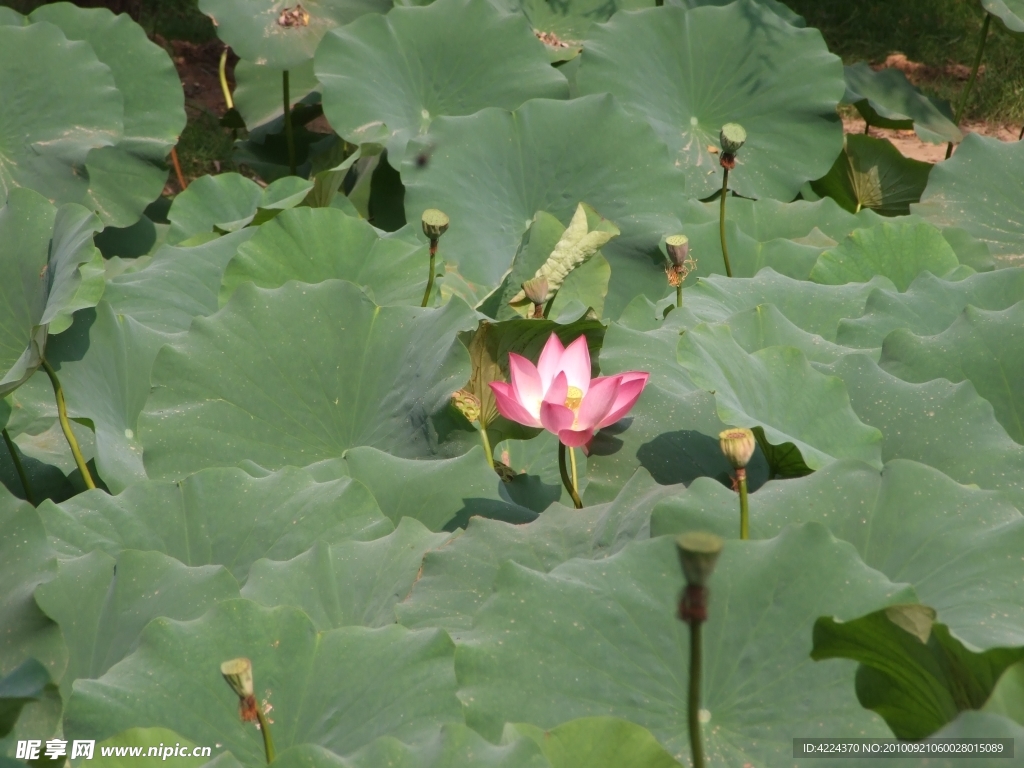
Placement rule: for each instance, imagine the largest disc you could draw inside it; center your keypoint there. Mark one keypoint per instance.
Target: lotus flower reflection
(559, 395)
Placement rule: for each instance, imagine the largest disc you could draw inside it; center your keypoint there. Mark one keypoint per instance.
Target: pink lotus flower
(559, 395)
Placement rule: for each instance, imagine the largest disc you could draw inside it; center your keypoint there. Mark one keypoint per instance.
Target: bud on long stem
(435, 224)
(238, 674)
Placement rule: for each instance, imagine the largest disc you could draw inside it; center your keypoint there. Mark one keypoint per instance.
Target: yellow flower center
(573, 398)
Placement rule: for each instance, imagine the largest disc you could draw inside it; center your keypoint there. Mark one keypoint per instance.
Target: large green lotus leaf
(777, 389)
(985, 348)
(981, 189)
(24, 684)
(953, 543)
(1007, 698)
(887, 99)
(353, 583)
(125, 178)
(265, 33)
(454, 746)
(602, 638)
(946, 426)
(765, 326)
(596, 742)
(71, 106)
(440, 494)
(548, 155)
(102, 604)
(871, 173)
(912, 672)
(569, 20)
(217, 517)
(929, 306)
(781, 83)
(421, 55)
(145, 738)
(229, 202)
(458, 578)
(43, 279)
(316, 244)
(302, 373)
(1010, 12)
(258, 91)
(899, 252)
(178, 285)
(340, 689)
(775, 6)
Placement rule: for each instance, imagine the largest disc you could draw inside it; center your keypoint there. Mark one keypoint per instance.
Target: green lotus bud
(678, 247)
(738, 446)
(435, 223)
(536, 289)
(238, 673)
(698, 553)
(733, 137)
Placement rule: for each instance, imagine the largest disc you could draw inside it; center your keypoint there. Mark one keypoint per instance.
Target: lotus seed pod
(698, 553)
(435, 223)
(738, 446)
(238, 673)
(678, 247)
(733, 137)
(536, 289)
(468, 404)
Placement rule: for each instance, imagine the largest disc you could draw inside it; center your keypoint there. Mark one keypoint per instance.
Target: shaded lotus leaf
(1007, 697)
(102, 603)
(278, 34)
(664, 65)
(24, 684)
(178, 285)
(886, 99)
(899, 252)
(983, 347)
(42, 277)
(229, 202)
(288, 388)
(127, 176)
(77, 108)
(217, 517)
(547, 151)
(946, 426)
(458, 578)
(440, 494)
(596, 742)
(352, 583)
(775, 6)
(953, 543)
(1010, 12)
(981, 190)
(316, 244)
(777, 389)
(912, 671)
(602, 638)
(569, 21)
(258, 91)
(421, 53)
(535, 481)
(371, 682)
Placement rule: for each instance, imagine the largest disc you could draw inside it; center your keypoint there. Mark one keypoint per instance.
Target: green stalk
(268, 742)
(679, 296)
(572, 465)
(222, 71)
(741, 478)
(974, 76)
(487, 446)
(19, 467)
(289, 131)
(430, 277)
(570, 486)
(62, 413)
(693, 708)
(721, 223)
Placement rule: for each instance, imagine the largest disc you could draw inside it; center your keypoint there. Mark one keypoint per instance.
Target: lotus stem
(177, 169)
(1021, 137)
(572, 467)
(289, 131)
(693, 705)
(430, 275)
(741, 481)
(974, 76)
(223, 72)
(268, 742)
(721, 221)
(62, 413)
(487, 446)
(19, 467)
(679, 296)
(569, 483)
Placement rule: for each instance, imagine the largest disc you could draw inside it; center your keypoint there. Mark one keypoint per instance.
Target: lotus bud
(435, 223)
(467, 404)
(733, 137)
(698, 554)
(536, 290)
(678, 247)
(238, 673)
(738, 446)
